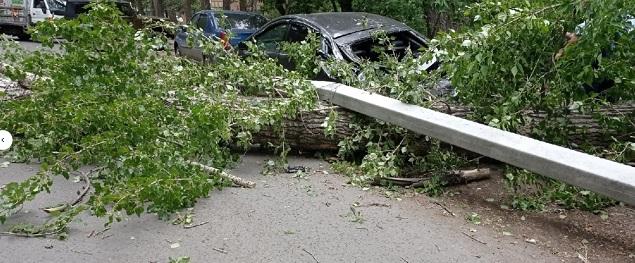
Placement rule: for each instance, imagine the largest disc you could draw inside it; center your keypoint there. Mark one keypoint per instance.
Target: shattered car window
(240, 21)
(397, 44)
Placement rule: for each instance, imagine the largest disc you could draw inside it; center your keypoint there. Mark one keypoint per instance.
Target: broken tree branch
(444, 208)
(235, 179)
(26, 82)
(86, 188)
(473, 238)
(452, 178)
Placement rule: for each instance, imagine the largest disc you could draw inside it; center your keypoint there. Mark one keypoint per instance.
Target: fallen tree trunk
(307, 133)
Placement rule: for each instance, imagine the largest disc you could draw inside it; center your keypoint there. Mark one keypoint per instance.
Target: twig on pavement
(311, 255)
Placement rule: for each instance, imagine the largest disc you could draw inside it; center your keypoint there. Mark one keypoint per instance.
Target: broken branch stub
(235, 179)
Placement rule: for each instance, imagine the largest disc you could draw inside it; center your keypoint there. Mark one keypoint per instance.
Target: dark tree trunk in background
(346, 5)
(159, 9)
(227, 4)
(334, 3)
(172, 16)
(187, 10)
(437, 21)
(205, 5)
(254, 5)
(243, 5)
(281, 6)
(138, 4)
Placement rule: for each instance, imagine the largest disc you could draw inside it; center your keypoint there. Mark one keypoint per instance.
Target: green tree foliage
(111, 100)
(513, 59)
(507, 62)
(138, 115)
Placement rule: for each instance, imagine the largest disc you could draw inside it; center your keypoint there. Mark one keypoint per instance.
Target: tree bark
(254, 5)
(334, 4)
(138, 4)
(281, 6)
(187, 10)
(346, 5)
(234, 179)
(450, 178)
(159, 8)
(306, 132)
(205, 5)
(227, 4)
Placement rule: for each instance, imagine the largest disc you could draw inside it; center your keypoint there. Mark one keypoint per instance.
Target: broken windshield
(240, 21)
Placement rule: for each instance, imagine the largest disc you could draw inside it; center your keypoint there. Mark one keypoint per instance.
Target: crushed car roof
(339, 24)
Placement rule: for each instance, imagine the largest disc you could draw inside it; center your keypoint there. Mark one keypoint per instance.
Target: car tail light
(224, 39)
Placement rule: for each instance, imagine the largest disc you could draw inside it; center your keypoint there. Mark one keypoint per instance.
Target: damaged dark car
(344, 36)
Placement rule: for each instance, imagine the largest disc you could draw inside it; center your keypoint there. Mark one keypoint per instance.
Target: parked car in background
(231, 27)
(344, 36)
(16, 16)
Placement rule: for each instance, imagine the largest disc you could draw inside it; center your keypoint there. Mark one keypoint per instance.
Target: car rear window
(240, 21)
(397, 44)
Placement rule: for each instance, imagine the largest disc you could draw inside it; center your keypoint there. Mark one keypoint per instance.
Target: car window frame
(347, 46)
(207, 24)
(269, 29)
(323, 37)
(309, 28)
(194, 20)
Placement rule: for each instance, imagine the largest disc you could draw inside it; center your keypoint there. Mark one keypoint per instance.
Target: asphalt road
(284, 219)
(31, 46)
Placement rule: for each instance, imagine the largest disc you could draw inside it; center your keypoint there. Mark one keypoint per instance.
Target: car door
(270, 39)
(38, 11)
(203, 24)
(182, 34)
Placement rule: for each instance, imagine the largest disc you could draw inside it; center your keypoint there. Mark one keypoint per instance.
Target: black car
(344, 36)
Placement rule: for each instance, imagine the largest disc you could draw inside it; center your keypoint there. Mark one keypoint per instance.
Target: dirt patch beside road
(570, 234)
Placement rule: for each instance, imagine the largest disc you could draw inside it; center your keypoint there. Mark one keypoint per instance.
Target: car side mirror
(44, 9)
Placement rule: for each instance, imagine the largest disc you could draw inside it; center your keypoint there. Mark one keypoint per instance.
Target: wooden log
(306, 132)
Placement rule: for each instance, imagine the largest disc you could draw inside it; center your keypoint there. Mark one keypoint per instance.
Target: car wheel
(24, 36)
